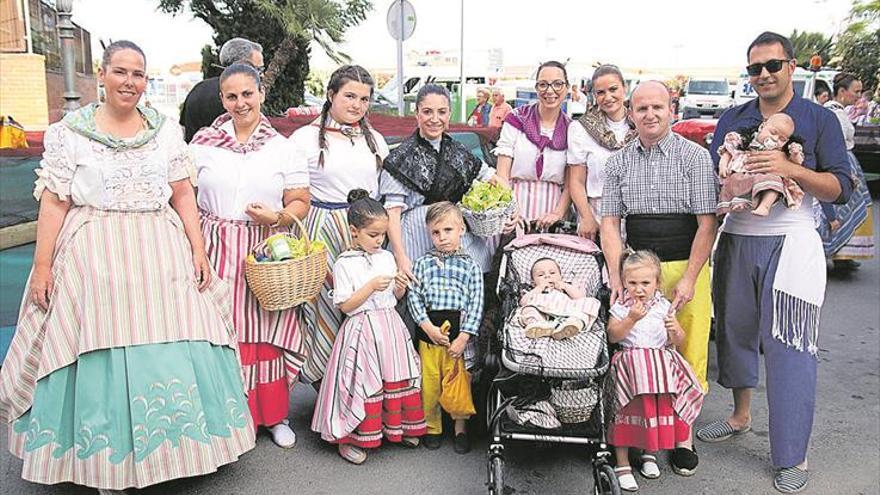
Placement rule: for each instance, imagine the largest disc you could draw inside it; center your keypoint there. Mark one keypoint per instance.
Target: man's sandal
(791, 479)
(719, 431)
(626, 479)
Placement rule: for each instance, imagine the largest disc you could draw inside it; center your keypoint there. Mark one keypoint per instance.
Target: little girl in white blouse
(371, 387)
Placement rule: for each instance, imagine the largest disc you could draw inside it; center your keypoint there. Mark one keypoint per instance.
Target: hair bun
(357, 194)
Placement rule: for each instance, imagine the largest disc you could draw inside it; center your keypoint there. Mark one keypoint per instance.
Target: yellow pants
(695, 317)
(436, 364)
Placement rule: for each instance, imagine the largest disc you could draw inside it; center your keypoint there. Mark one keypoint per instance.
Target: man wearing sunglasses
(202, 104)
(769, 279)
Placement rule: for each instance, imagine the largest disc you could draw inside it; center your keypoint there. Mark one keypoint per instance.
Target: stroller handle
(560, 227)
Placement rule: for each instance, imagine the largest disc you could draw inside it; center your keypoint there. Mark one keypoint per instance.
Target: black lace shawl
(438, 176)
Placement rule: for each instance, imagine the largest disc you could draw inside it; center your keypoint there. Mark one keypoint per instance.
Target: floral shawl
(82, 121)
(596, 125)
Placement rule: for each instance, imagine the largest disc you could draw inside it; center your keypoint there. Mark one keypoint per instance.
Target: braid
(322, 138)
(338, 79)
(371, 140)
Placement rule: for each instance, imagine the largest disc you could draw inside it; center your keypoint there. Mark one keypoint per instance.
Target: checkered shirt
(448, 282)
(674, 176)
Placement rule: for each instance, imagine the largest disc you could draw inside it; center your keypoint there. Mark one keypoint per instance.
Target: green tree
(858, 46)
(806, 44)
(321, 21)
(285, 38)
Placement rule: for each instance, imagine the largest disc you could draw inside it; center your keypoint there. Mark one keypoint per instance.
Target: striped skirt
(854, 238)
(270, 342)
(373, 363)
(127, 343)
(417, 239)
(643, 371)
(536, 198)
(321, 317)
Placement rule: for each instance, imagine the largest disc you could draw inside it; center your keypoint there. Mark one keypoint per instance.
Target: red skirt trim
(648, 422)
(394, 413)
(267, 389)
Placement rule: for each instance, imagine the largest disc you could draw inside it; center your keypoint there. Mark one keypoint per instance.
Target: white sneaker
(283, 435)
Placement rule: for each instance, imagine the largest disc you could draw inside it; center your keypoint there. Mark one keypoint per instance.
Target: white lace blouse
(90, 173)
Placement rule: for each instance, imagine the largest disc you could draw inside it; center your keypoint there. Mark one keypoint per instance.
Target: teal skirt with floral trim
(136, 416)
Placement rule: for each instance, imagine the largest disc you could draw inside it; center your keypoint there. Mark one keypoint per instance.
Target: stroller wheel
(496, 475)
(605, 480)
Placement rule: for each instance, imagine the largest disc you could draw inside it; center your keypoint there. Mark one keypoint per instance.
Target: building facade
(31, 81)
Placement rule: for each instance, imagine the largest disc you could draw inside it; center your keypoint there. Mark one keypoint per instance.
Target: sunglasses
(773, 66)
(557, 85)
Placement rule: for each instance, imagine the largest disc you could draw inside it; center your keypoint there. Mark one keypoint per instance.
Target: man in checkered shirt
(449, 287)
(665, 187)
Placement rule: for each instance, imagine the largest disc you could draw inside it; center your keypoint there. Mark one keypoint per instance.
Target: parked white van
(705, 96)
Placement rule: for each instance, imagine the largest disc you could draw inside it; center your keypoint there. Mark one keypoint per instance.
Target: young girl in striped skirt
(371, 386)
(657, 395)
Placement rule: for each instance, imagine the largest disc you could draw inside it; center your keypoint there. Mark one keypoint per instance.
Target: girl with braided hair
(343, 153)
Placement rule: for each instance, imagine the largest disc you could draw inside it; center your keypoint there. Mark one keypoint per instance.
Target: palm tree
(322, 21)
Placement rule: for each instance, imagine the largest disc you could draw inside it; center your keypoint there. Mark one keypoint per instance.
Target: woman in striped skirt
(122, 372)
(847, 230)
(532, 150)
(251, 186)
(428, 167)
(343, 153)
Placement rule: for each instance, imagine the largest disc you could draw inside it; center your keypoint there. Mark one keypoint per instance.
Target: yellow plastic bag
(455, 397)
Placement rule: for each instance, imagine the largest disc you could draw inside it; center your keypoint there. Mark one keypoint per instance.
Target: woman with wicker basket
(122, 372)
(428, 167)
(343, 153)
(532, 150)
(251, 185)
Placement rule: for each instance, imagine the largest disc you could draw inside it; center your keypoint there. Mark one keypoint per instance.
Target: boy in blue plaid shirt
(449, 287)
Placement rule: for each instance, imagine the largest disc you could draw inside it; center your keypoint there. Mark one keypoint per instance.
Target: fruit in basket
(484, 196)
(283, 247)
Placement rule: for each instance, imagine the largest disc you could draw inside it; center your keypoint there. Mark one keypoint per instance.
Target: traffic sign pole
(400, 78)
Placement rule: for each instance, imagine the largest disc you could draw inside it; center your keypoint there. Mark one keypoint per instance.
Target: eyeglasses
(773, 66)
(557, 85)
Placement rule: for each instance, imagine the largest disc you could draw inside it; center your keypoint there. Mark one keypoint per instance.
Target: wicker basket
(574, 400)
(284, 284)
(488, 223)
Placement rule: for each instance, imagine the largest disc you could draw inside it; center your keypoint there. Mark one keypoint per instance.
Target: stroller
(538, 379)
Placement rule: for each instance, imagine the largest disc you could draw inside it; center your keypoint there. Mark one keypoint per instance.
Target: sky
(635, 33)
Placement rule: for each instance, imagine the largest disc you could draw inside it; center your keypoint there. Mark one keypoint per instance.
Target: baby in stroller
(658, 397)
(555, 308)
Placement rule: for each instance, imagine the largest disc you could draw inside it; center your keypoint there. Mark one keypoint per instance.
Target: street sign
(402, 26)
(401, 20)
